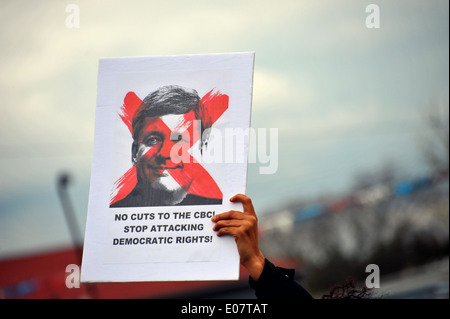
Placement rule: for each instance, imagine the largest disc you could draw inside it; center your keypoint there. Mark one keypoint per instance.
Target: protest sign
(170, 149)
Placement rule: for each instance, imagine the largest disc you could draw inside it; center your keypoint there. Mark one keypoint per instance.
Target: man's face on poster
(154, 155)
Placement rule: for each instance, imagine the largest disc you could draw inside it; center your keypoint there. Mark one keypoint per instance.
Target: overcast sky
(345, 98)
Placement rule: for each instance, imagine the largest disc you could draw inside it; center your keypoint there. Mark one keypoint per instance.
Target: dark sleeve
(278, 283)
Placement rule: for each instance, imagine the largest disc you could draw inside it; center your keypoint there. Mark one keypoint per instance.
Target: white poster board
(170, 149)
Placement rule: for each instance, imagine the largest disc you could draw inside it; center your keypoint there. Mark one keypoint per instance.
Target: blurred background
(362, 114)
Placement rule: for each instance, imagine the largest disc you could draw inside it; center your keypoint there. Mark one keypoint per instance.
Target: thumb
(246, 203)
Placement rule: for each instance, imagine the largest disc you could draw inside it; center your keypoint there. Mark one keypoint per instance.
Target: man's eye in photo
(152, 140)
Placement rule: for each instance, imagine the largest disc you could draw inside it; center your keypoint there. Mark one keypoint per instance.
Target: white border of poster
(166, 242)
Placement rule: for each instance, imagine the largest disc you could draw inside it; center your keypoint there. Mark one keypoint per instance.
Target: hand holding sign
(244, 228)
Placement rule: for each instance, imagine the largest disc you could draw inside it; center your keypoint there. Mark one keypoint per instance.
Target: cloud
(277, 90)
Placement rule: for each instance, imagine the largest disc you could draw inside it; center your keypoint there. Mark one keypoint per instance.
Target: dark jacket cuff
(277, 283)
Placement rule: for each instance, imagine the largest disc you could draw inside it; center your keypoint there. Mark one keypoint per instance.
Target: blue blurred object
(307, 212)
(422, 182)
(403, 188)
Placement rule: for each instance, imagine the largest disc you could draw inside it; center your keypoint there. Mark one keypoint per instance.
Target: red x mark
(214, 105)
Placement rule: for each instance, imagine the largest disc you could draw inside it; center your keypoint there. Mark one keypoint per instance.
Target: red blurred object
(44, 276)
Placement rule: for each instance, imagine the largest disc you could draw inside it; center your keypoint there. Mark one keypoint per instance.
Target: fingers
(227, 231)
(237, 228)
(232, 214)
(233, 222)
(227, 223)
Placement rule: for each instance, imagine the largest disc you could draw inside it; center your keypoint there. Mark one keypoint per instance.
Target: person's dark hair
(170, 99)
(348, 289)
